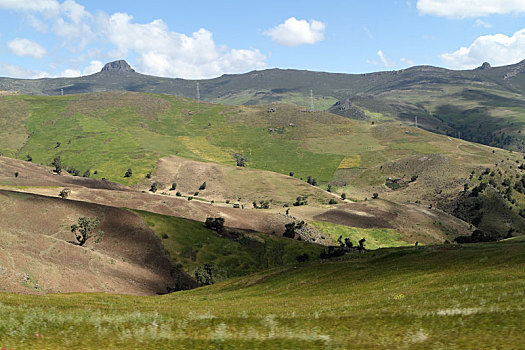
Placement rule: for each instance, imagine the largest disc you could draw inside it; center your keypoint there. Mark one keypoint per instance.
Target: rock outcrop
(119, 66)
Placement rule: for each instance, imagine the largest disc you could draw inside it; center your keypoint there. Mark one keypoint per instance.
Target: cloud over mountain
(294, 32)
(498, 49)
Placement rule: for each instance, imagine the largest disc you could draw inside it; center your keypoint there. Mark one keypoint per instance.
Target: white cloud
(68, 19)
(69, 73)
(386, 62)
(481, 23)
(94, 67)
(30, 5)
(14, 71)
(407, 62)
(26, 47)
(166, 53)
(159, 51)
(498, 50)
(469, 8)
(294, 32)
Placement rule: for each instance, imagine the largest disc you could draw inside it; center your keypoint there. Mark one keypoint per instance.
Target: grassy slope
(375, 237)
(476, 112)
(112, 132)
(192, 245)
(436, 297)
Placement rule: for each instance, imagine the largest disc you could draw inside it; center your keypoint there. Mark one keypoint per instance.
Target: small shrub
(215, 224)
(375, 195)
(300, 200)
(154, 187)
(16, 174)
(128, 173)
(178, 194)
(64, 194)
(57, 163)
(165, 236)
(240, 159)
(203, 186)
(332, 201)
(302, 258)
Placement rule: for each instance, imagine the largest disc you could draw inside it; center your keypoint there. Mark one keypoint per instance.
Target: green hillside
(453, 297)
(484, 105)
(105, 134)
(191, 245)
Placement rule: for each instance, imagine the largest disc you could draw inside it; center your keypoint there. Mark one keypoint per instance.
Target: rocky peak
(485, 65)
(119, 66)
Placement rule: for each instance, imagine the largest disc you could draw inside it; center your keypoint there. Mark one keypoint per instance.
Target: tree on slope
(84, 228)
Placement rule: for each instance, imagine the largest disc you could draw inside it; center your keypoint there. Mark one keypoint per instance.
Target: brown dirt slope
(30, 174)
(415, 222)
(230, 182)
(36, 255)
(40, 180)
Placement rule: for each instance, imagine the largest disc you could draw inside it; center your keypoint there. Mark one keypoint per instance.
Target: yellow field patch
(205, 150)
(350, 162)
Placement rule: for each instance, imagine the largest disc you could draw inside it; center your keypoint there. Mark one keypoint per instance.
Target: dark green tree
(154, 187)
(215, 224)
(207, 274)
(57, 163)
(84, 228)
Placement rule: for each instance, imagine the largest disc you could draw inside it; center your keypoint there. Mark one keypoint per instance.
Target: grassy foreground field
(441, 297)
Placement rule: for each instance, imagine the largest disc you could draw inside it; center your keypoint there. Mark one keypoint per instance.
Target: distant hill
(484, 105)
(270, 83)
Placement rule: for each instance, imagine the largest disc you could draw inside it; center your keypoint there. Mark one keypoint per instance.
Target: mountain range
(465, 104)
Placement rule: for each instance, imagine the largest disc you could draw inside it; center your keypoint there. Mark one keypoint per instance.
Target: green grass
(375, 237)
(191, 244)
(111, 132)
(467, 297)
(100, 134)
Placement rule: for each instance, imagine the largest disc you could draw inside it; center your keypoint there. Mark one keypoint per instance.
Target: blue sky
(204, 39)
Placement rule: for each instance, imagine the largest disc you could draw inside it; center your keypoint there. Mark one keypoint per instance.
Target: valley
(245, 219)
